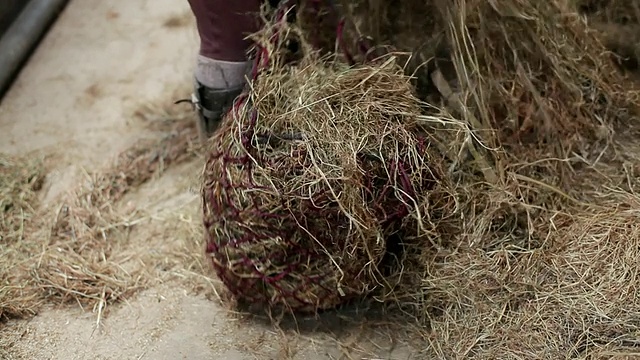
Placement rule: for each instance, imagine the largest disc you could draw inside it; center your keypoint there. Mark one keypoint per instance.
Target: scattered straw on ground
(20, 180)
(84, 259)
(77, 251)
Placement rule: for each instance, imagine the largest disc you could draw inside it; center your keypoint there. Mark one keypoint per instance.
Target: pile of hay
(539, 263)
(84, 258)
(307, 179)
(521, 243)
(524, 68)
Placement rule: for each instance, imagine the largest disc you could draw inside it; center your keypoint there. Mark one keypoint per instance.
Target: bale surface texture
(308, 178)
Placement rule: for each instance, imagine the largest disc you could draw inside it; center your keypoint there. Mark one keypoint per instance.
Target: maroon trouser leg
(223, 26)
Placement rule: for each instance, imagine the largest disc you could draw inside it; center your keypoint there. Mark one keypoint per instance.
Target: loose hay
(572, 297)
(305, 183)
(20, 180)
(616, 23)
(622, 12)
(538, 263)
(529, 79)
(83, 260)
(75, 251)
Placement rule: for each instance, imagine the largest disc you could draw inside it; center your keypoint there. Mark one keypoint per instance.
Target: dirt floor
(76, 102)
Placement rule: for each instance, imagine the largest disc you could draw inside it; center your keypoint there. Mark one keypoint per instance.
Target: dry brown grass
(538, 263)
(526, 251)
(525, 248)
(20, 180)
(617, 24)
(573, 296)
(84, 258)
(78, 250)
(622, 12)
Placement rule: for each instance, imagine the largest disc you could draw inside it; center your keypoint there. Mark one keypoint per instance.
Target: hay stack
(538, 265)
(307, 180)
(528, 77)
(570, 296)
(541, 100)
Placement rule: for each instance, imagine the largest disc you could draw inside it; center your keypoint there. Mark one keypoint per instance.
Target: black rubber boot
(211, 106)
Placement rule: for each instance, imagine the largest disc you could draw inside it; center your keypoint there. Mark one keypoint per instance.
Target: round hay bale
(307, 179)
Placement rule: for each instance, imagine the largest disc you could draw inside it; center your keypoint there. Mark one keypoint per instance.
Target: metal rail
(23, 35)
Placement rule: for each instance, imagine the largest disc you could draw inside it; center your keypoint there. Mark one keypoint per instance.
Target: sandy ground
(74, 100)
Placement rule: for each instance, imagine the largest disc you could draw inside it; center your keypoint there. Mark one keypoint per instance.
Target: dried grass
(518, 236)
(77, 251)
(537, 264)
(616, 23)
(20, 180)
(622, 12)
(84, 259)
(573, 296)
(524, 250)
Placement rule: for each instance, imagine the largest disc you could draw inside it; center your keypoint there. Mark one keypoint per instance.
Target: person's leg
(222, 59)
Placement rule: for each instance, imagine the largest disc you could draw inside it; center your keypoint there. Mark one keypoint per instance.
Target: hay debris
(20, 180)
(534, 81)
(616, 23)
(522, 77)
(622, 12)
(573, 296)
(84, 259)
(76, 251)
